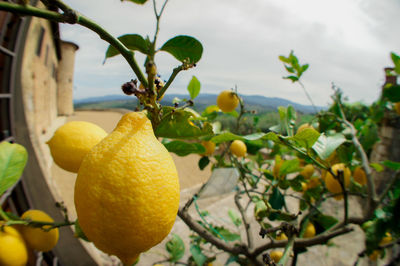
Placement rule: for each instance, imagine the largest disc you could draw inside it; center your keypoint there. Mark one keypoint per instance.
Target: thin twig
(246, 224)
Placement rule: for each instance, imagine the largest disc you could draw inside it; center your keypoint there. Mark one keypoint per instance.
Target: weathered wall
(39, 83)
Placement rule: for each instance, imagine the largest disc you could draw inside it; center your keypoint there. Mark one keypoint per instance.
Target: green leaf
(235, 218)
(79, 232)
(227, 235)
(182, 148)
(13, 158)
(396, 62)
(178, 124)
(284, 59)
(304, 67)
(276, 199)
(194, 87)
(198, 255)
(377, 166)
(289, 166)
(228, 136)
(133, 42)
(292, 78)
(392, 165)
(392, 93)
(140, 2)
(289, 69)
(325, 221)
(203, 162)
(175, 247)
(184, 48)
(324, 146)
(306, 138)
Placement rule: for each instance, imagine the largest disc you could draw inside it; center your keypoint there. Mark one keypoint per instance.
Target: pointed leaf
(203, 162)
(182, 148)
(276, 199)
(228, 136)
(13, 158)
(284, 59)
(396, 62)
(177, 124)
(184, 47)
(194, 87)
(289, 166)
(306, 138)
(324, 146)
(235, 218)
(392, 165)
(292, 78)
(175, 247)
(198, 255)
(133, 42)
(325, 221)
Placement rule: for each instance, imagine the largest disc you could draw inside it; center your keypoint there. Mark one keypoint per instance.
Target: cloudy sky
(345, 42)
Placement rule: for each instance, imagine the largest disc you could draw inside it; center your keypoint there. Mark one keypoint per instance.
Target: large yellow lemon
(238, 148)
(227, 101)
(37, 238)
(13, 251)
(72, 141)
(332, 184)
(127, 190)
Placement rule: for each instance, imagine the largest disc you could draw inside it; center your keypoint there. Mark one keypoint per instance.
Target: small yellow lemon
(281, 236)
(386, 239)
(360, 176)
(303, 126)
(210, 147)
(238, 148)
(304, 186)
(276, 255)
(310, 231)
(397, 107)
(37, 238)
(307, 171)
(374, 255)
(313, 182)
(13, 251)
(332, 184)
(127, 190)
(227, 101)
(72, 141)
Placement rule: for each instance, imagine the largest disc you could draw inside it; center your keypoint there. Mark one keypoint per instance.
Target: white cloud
(346, 42)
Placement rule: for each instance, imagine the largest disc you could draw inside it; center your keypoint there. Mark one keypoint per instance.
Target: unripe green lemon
(37, 238)
(13, 251)
(227, 101)
(209, 146)
(238, 148)
(127, 190)
(72, 141)
(303, 126)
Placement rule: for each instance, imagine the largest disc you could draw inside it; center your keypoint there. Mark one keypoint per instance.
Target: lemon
(281, 236)
(238, 148)
(313, 182)
(13, 251)
(374, 255)
(332, 184)
(397, 107)
(304, 186)
(307, 171)
(209, 146)
(72, 141)
(127, 190)
(276, 255)
(386, 239)
(227, 101)
(37, 238)
(360, 176)
(310, 231)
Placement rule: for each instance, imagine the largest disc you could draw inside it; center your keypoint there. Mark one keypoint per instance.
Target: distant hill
(258, 103)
